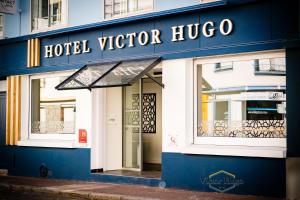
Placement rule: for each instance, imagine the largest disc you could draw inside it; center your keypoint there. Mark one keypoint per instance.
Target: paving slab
(96, 190)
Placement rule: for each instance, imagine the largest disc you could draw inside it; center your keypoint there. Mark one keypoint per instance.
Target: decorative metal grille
(245, 128)
(149, 112)
(53, 127)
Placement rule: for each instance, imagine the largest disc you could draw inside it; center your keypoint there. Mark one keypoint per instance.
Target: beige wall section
(113, 132)
(152, 142)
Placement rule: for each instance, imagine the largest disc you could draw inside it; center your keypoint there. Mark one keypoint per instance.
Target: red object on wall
(82, 136)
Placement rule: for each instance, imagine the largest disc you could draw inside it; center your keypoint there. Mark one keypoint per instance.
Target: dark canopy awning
(109, 74)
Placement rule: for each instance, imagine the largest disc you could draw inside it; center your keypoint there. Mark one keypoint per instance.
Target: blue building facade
(93, 12)
(220, 73)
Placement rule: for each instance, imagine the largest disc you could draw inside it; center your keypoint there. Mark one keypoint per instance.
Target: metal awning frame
(92, 85)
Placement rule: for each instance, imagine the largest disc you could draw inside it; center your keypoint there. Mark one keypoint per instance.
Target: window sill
(49, 28)
(245, 151)
(236, 141)
(223, 69)
(269, 73)
(47, 143)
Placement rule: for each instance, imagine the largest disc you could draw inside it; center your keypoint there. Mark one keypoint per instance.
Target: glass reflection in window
(52, 111)
(239, 103)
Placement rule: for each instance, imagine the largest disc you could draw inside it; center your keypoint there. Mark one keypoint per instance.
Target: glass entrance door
(132, 141)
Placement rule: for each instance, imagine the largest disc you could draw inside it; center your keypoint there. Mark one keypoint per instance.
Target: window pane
(263, 110)
(108, 10)
(221, 112)
(132, 5)
(238, 103)
(55, 8)
(52, 111)
(39, 9)
(119, 7)
(108, 15)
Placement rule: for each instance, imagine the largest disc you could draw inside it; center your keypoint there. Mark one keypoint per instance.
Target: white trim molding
(47, 143)
(247, 151)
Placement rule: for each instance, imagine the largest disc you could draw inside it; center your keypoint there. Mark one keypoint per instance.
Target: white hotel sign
(8, 6)
(143, 38)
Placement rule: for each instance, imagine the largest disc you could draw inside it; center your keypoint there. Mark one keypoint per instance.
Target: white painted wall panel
(177, 103)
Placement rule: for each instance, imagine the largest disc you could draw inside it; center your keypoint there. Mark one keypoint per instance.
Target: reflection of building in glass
(237, 101)
(52, 111)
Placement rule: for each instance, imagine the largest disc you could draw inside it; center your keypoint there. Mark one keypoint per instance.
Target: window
(115, 8)
(1, 26)
(239, 104)
(223, 66)
(275, 66)
(53, 113)
(48, 13)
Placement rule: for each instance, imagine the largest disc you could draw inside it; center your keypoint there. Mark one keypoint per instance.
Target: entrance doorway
(128, 108)
(152, 125)
(142, 130)
(134, 130)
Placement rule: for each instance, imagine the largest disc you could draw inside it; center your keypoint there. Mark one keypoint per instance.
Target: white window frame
(127, 14)
(262, 147)
(50, 136)
(64, 23)
(206, 1)
(3, 26)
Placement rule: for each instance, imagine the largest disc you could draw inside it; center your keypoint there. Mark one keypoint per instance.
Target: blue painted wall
(248, 20)
(3, 159)
(79, 13)
(259, 25)
(12, 19)
(25, 17)
(18, 23)
(26, 161)
(61, 163)
(258, 176)
(2, 116)
(293, 106)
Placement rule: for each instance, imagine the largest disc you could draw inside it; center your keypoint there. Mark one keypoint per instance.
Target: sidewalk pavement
(98, 190)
